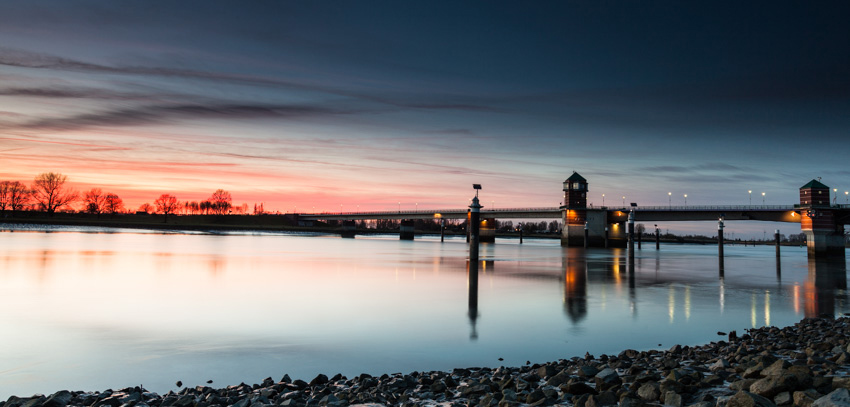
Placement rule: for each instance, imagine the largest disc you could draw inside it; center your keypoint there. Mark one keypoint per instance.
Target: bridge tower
(603, 229)
(818, 220)
(575, 192)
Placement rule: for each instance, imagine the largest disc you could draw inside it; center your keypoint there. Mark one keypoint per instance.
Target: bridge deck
(776, 213)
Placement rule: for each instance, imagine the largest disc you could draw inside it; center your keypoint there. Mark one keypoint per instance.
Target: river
(91, 309)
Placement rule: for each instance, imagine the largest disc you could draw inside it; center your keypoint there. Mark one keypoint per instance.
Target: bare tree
(221, 201)
(146, 208)
(93, 199)
(14, 195)
(50, 192)
(166, 204)
(112, 204)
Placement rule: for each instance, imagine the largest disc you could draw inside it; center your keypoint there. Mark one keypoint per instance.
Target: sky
(329, 105)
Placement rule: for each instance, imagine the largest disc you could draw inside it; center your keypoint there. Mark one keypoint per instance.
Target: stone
(743, 384)
(776, 369)
(558, 379)
(546, 371)
(838, 398)
(805, 398)
(649, 391)
(747, 399)
(579, 388)
(783, 399)
(841, 382)
(58, 399)
(771, 386)
(672, 399)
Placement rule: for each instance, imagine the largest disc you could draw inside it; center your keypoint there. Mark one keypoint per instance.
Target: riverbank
(804, 365)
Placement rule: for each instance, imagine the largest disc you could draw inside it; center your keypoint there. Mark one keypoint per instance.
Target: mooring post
(586, 235)
(474, 221)
(639, 237)
(632, 234)
(442, 230)
(657, 238)
(520, 234)
(606, 237)
(720, 237)
(776, 237)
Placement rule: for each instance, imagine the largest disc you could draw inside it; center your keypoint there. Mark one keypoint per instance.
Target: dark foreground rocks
(805, 365)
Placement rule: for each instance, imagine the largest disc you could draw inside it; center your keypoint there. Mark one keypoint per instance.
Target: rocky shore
(807, 364)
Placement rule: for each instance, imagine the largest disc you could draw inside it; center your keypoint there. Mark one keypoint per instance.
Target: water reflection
(472, 312)
(575, 284)
(825, 277)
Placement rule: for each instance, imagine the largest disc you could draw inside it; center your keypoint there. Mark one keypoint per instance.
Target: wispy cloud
(155, 114)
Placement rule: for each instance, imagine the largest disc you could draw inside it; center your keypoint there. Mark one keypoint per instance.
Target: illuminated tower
(575, 191)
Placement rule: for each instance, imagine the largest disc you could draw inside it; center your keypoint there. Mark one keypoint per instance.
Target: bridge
(604, 226)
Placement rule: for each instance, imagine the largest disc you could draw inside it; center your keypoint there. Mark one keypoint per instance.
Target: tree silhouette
(93, 199)
(166, 204)
(112, 204)
(50, 192)
(146, 208)
(14, 195)
(221, 201)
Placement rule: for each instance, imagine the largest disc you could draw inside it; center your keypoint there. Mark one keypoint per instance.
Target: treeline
(49, 193)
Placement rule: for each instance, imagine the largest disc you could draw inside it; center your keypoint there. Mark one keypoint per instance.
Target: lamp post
(686, 199)
(846, 196)
(417, 206)
(624, 201)
(670, 200)
(751, 196)
(399, 207)
(762, 199)
(834, 200)
(603, 199)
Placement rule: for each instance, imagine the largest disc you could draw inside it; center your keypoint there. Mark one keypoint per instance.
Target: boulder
(838, 398)
(805, 398)
(649, 391)
(58, 399)
(747, 399)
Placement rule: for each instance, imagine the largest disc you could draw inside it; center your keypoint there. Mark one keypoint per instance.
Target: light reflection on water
(90, 311)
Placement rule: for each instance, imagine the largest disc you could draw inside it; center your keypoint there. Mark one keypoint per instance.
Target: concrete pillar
(405, 229)
(442, 230)
(348, 229)
(474, 223)
(487, 230)
(606, 237)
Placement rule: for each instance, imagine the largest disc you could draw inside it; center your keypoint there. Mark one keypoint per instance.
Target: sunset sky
(366, 104)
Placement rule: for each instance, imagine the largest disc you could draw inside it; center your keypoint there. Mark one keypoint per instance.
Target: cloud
(155, 114)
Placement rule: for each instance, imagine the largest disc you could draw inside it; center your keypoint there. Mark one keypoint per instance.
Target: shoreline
(802, 365)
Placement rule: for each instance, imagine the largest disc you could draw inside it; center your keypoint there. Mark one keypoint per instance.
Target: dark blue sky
(375, 103)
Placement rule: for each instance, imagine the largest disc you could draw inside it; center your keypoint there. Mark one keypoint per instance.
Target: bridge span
(822, 222)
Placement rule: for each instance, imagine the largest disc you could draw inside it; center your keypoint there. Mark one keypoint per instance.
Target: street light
(834, 200)
(762, 198)
(603, 199)
(417, 206)
(624, 201)
(670, 199)
(686, 199)
(751, 196)
(846, 196)
(399, 207)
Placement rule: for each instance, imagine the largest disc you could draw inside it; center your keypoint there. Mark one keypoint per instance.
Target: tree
(146, 208)
(50, 192)
(112, 204)
(93, 199)
(221, 201)
(166, 204)
(14, 195)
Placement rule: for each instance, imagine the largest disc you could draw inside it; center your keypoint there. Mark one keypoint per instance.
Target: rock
(672, 399)
(721, 364)
(546, 371)
(558, 379)
(649, 391)
(838, 398)
(805, 398)
(579, 388)
(771, 386)
(58, 399)
(747, 399)
(783, 399)
(841, 382)
(179, 383)
(606, 379)
(743, 384)
(535, 396)
(319, 380)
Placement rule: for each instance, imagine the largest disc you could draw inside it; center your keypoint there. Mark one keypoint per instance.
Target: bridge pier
(405, 229)
(349, 228)
(487, 230)
(822, 224)
(593, 228)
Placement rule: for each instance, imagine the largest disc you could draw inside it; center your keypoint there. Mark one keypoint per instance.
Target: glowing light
(671, 303)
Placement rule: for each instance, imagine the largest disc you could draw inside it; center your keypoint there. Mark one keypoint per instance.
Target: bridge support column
(487, 231)
(824, 236)
(349, 228)
(593, 228)
(776, 238)
(405, 229)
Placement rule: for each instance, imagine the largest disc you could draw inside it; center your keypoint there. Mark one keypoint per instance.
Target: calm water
(98, 310)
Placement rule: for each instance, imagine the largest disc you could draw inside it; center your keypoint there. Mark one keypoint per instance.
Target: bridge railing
(711, 208)
(556, 209)
(430, 211)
